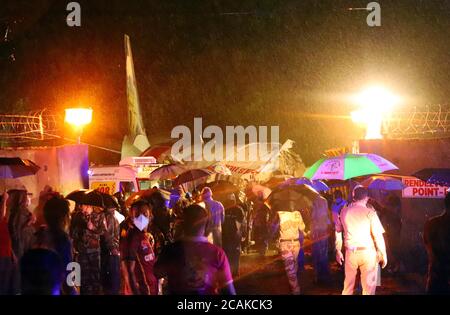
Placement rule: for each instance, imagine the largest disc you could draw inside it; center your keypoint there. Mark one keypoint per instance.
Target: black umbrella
(93, 198)
(17, 167)
(438, 176)
(77, 195)
(292, 198)
(191, 175)
(99, 199)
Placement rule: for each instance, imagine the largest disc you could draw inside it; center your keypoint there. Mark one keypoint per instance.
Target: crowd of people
(193, 243)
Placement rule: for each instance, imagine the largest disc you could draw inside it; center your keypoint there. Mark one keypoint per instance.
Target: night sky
(286, 63)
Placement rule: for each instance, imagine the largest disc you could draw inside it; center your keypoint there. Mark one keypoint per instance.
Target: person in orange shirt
(363, 241)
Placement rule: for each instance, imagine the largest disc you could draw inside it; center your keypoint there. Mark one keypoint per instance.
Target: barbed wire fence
(425, 122)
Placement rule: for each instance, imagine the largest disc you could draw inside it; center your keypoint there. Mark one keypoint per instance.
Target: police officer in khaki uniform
(289, 225)
(363, 241)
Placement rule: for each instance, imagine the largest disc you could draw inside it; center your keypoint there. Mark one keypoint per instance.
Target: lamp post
(375, 103)
(78, 118)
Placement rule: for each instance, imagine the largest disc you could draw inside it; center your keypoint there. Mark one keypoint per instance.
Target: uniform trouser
(366, 261)
(320, 259)
(90, 273)
(289, 253)
(111, 274)
(301, 254)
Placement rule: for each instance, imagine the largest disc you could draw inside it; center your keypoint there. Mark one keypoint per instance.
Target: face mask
(141, 222)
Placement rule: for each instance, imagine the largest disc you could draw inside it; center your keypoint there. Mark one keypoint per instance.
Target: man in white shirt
(363, 241)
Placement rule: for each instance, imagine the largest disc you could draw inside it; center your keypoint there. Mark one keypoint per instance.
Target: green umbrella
(348, 166)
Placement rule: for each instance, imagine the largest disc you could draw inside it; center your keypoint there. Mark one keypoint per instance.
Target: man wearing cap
(363, 241)
(216, 216)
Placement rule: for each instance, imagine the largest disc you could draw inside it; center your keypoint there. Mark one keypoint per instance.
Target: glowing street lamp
(78, 118)
(375, 103)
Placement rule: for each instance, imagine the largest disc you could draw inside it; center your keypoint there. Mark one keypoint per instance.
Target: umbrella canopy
(276, 180)
(292, 198)
(383, 183)
(146, 195)
(318, 185)
(169, 171)
(220, 169)
(190, 176)
(77, 195)
(93, 198)
(258, 190)
(348, 166)
(17, 167)
(438, 176)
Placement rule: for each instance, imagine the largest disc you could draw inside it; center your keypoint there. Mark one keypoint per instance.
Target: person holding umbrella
(87, 227)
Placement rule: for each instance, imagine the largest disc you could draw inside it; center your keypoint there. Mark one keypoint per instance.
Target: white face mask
(141, 222)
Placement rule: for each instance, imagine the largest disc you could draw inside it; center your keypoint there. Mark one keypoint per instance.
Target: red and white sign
(416, 188)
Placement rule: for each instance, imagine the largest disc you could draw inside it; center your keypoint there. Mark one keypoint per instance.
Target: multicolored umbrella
(169, 171)
(437, 176)
(17, 167)
(348, 166)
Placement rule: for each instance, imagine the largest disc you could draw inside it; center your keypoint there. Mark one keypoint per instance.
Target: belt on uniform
(291, 240)
(354, 249)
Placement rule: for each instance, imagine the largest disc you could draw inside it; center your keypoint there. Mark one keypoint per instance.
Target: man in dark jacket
(232, 233)
(437, 241)
(110, 257)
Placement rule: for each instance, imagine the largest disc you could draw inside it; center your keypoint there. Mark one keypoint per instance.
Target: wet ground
(265, 275)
